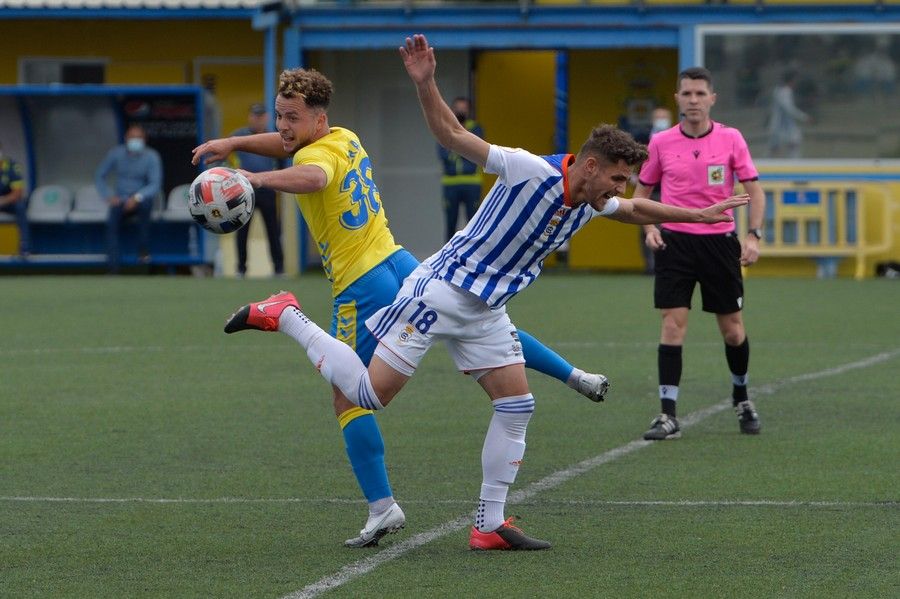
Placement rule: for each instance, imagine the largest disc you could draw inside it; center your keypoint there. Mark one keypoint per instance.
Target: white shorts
(428, 309)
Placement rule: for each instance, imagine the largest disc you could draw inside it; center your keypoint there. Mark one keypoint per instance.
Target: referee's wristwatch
(758, 233)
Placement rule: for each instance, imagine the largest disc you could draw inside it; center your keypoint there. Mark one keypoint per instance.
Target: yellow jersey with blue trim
(346, 217)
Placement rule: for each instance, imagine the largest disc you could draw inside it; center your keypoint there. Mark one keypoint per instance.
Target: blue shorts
(365, 296)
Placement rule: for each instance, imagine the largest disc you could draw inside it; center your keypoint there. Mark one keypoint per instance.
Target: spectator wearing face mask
(461, 180)
(662, 120)
(137, 170)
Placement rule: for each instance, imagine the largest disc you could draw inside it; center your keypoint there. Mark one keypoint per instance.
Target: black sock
(668, 406)
(669, 364)
(738, 357)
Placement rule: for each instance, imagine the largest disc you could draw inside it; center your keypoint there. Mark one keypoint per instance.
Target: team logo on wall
(715, 174)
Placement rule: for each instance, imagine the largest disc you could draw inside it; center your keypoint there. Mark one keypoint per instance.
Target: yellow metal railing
(843, 219)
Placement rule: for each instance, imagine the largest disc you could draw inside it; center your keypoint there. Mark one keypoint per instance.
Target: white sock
(739, 379)
(334, 360)
(489, 513)
(668, 392)
(380, 506)
(298, 326)
(501, 456)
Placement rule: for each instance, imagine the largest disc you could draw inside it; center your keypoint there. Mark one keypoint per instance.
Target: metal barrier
(827, 220)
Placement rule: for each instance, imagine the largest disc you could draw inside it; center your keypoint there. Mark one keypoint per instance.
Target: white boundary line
(118, 349)
(366, 565)
(331, 500)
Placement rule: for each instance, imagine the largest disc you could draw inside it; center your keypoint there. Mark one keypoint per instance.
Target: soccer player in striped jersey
(332, 177)
(459, 294)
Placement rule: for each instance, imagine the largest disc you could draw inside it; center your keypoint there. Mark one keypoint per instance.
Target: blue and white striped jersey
(525, 216)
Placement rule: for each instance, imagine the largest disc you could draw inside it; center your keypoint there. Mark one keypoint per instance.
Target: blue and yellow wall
(149, 52)
(514, 79)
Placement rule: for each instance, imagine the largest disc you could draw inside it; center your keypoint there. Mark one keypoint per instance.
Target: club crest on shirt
(715, 174)
(551, 227)
(405, 334)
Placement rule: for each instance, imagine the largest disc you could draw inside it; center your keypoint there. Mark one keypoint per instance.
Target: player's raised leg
(543, 359)
(364, 443)
(333, 359)
(261, 316)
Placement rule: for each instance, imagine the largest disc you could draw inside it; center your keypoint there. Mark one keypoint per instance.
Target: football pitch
(144, 453)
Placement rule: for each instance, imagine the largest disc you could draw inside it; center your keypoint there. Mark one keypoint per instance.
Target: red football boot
(262, 316)
(507, 537)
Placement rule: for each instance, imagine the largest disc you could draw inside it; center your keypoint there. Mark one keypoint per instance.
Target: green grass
(126, 388)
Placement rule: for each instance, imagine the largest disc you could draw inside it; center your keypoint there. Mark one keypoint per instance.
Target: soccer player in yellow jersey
(332, 177)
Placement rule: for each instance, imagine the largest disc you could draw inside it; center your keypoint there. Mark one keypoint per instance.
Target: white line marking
(37, 351)
(363, 566)
(741, 503)
(460, 501)
(118, 349)
(177, 500)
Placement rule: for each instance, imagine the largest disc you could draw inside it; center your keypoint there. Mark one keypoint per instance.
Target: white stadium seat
(49, 204)
(89, 206)
(177, 205)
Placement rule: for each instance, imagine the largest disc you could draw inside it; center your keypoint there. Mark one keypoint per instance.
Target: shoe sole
(238, 321)
(749, 427)
(471, 548)
(379, 534)
(669, 437)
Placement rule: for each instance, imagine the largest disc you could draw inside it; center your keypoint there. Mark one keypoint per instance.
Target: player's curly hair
(309, 84)
(613, 144)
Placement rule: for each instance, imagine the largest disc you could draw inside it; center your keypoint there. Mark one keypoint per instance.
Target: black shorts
(714, 261)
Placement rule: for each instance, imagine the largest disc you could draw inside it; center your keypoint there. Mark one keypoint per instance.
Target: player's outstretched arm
(652, 235)
(641, 211)
(215, 150)
(418, 58)
(299, 178)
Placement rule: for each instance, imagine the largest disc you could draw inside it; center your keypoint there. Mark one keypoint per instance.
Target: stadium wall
(149, 52)
(375, 99)
(516, 87)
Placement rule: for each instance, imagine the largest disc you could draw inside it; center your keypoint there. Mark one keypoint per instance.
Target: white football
(221, 200)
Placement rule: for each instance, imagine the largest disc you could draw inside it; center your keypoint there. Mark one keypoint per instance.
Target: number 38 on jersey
(363, 195)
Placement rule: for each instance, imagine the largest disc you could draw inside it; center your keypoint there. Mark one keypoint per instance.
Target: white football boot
(389, 521)
(592, 386)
